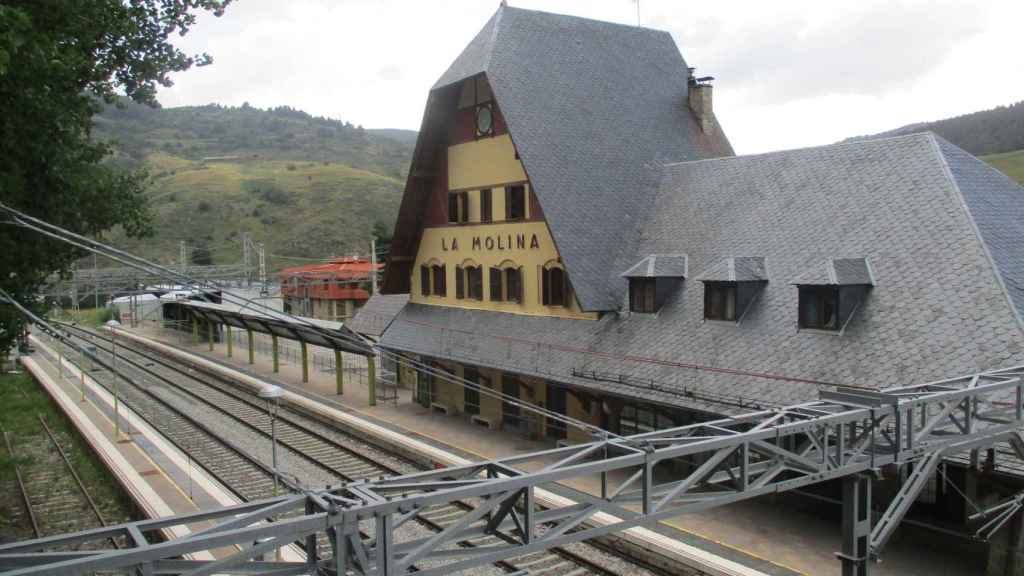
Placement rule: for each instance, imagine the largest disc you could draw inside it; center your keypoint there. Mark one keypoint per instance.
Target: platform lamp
(272, 394)
(113, 325)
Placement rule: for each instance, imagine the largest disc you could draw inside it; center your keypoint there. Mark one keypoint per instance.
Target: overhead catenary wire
(348, 337)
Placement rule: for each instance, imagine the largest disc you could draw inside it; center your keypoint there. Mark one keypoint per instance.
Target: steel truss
(636, 480)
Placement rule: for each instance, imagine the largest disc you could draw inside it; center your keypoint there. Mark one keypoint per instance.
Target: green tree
(59, 60)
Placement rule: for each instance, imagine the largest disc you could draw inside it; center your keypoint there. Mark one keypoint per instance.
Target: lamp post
(114, 325)
(272, 395)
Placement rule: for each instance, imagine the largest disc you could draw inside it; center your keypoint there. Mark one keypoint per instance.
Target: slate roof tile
(938, 309)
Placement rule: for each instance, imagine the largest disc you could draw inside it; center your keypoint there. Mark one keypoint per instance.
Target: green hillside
(305, 186)
(1010, 163)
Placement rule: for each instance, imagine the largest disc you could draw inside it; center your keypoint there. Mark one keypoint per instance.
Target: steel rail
(21, 485)
(508, 565)
(843, 434)
(74, 474)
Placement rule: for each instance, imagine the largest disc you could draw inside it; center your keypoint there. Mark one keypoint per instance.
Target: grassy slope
(296, 208)
(305, 186)
(1010, 163)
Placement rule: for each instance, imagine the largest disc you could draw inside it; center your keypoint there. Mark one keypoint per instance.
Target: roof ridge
(505, 6)
(948, 173)
(849, 143)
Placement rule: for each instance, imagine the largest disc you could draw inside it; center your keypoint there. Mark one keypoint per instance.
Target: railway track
(54, 498)
(335, 453)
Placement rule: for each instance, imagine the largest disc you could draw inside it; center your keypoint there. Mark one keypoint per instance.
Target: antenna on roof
(637, 2)
(504, 3)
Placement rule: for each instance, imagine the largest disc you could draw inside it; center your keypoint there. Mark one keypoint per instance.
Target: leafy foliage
(58, 60)
(994, 131)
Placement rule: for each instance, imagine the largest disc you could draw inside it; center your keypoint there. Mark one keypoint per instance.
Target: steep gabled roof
(594, 110)
(936, 225)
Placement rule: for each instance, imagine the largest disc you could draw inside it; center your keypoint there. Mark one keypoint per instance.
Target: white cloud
(788, 74)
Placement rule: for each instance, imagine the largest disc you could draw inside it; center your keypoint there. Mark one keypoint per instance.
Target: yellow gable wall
(487, 245)
(482, 163)
(472, 166)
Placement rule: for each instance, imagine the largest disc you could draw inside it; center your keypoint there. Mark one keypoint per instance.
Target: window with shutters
(641, 295)
(475, 282)
(554, 288)
(425, 280)
(515, 202)
(720, 301)
(439, 280)
(514, 284)
(497, 294)
(460, 282)
(485, 205)
(458, 207)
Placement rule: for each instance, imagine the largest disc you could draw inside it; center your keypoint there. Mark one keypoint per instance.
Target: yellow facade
(484, 163)
(526, 245)
(490, 163)
(532, 391)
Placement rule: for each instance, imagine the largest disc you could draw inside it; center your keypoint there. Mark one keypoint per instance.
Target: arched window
(554, 286)
(506, 281)
(469, 280)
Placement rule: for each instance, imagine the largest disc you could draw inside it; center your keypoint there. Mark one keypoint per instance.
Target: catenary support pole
(305, 362)
(209, 335)
(195, 330)
(339, 378)
(227, 337)
(856, 525)
(252, 347)
(273, 352)
(371, 379)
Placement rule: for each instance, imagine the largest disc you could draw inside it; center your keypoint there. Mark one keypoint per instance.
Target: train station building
(577, 233)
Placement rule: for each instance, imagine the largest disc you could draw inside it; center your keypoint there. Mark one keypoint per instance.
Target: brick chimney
(699, 100)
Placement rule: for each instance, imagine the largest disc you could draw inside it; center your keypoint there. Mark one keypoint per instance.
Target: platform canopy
(308, 330)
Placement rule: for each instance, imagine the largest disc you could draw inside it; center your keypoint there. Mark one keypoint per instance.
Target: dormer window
(720, 301)
(830, 292)
(731, 286)
(641, 295)
(653, 280)
(819, 307)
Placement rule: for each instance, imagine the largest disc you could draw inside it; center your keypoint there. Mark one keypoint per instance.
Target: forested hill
(992, 131)
(305, 186)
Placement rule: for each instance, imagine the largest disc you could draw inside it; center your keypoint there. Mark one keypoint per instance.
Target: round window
(484, 120)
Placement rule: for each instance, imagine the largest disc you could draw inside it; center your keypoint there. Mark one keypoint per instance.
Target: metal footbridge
(634, 481)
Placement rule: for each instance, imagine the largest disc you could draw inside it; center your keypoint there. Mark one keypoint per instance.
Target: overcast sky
(788, 73)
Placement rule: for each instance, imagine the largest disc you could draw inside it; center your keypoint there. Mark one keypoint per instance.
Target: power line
(348, 338)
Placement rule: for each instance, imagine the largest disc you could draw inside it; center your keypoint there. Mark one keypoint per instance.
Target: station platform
(776, 535)
(160, 479)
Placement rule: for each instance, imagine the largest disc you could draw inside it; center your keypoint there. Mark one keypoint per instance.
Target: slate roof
(836, 272)
(594, 108)
(935, 224)
(736, 269)
(374, 317)
(658, 266)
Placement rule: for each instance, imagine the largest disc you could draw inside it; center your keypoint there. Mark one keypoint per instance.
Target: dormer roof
(836, 272)
(736, 269)
(659, 266)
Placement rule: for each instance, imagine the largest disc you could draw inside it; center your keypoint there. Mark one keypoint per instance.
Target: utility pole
(95, 282)
(263, 268)
(183, 256)
(246, 259)
(373, 266)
